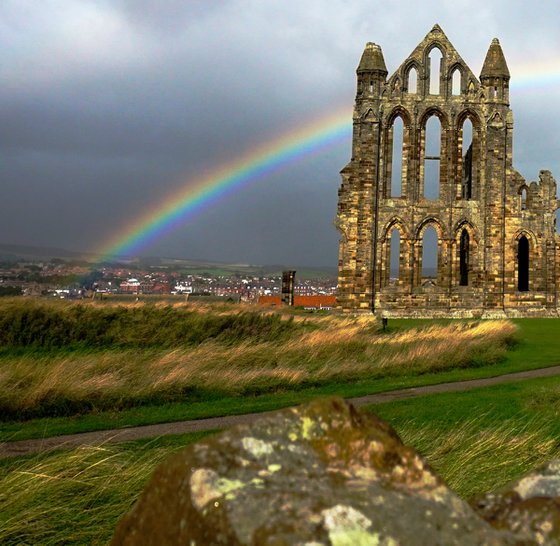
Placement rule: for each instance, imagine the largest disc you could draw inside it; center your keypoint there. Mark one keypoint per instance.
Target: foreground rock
(529, 506)
(322, 473)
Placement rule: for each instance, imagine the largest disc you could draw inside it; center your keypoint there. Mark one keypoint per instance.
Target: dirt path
(25, 447)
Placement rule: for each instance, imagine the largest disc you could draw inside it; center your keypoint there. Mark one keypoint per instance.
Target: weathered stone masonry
(498, 253)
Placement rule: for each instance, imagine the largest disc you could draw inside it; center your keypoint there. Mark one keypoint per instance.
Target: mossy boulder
(529, 506)
(320, 474)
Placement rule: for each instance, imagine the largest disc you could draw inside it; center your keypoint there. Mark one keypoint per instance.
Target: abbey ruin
(432, 158)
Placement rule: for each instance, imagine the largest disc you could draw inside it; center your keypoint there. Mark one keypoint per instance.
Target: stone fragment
(320, 474)
(530, 506)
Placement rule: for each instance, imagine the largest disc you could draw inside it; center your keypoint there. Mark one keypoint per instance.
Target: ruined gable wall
(490, 214)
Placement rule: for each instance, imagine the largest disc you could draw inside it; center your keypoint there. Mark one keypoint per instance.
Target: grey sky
(108, 106)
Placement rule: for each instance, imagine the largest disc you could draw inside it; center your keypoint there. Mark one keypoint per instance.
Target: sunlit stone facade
(497, 249)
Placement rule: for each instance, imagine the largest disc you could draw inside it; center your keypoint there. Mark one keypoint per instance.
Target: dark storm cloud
(107, 106)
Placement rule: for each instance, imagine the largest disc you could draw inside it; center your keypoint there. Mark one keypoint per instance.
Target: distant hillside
(19, 252)
(13, 253)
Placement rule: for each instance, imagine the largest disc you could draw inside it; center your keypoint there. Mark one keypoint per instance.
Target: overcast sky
(108, 106)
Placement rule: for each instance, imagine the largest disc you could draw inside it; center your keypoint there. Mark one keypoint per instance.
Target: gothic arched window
(430, 254)
(435, 57)
(467, 159)
(523, 264)
(464, 258)
(523, 198)
(395, 256)
(432, 160)
(456, 82)
(412, 80)
(397, 157)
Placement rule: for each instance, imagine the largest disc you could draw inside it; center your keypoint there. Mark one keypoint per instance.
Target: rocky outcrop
(320, 474)
(529, 506)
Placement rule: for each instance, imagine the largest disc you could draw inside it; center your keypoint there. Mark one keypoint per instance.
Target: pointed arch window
(394, 256)
(523, 198)
(456, 82)
(412, 81)
(434, 62)
(432, 160)
(464, 258)
(430, 256)
(467, 159)
(523, 264)
(397, 157)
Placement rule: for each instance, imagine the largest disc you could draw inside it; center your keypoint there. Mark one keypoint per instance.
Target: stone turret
(495, 73)
(371, 71)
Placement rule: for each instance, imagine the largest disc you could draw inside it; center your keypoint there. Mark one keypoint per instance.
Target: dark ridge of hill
(10, 252)
(14, 253)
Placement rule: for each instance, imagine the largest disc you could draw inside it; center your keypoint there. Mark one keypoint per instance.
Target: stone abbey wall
(497, 248)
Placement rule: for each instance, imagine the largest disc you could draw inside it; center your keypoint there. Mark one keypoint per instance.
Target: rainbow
(530, 76)
(196, 195)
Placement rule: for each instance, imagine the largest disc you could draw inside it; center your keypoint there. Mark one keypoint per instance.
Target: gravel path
(25, 447)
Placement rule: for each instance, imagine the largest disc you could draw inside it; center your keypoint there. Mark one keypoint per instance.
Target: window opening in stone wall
(412, 80)
(371, 86)
(456, 82)
(432, 158)
(495, 92)
(397, 157)
(464, 259)
(395, 255)
(429, 256)
(435, 59)
(523, 198)
(557, 222)
(523, 264)
(467, 160)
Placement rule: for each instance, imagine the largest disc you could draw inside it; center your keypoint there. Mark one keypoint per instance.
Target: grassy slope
(477, 440)
(72, 497)
(539, 347)
(481, 439)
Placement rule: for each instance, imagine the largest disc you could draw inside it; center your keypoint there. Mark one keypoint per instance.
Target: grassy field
(72, 367)
(477, 440)
(72, 497)
(75, 367)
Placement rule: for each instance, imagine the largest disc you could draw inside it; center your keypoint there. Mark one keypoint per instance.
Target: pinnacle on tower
(495, 63)
(372, 59)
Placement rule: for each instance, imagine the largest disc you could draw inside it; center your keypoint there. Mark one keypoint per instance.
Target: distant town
(76, 279)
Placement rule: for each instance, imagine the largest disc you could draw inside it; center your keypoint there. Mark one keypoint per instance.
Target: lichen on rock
(320, 474)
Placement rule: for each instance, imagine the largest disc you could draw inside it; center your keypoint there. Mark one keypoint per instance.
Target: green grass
(219, 406)
(34, 324)
(480, 439)
(477, 440)
(72, 497)
(538, 341)
(340, 368)
(212, 355)
(538, 346)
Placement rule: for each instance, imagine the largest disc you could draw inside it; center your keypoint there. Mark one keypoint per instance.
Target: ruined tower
(432, 158)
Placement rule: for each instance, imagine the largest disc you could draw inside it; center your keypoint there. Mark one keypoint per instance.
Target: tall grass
(278, 355)
(47, 325)
(73, 498)
(475, 458)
